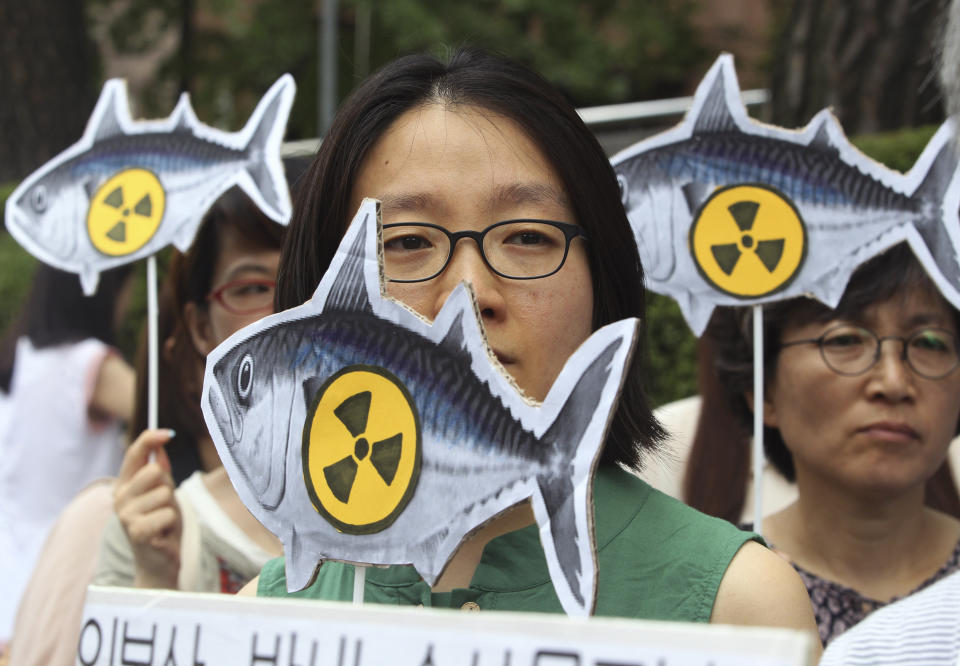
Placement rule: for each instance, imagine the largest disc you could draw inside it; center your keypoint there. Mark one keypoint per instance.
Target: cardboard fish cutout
(129, 188)
(357, 431)
(730, 211)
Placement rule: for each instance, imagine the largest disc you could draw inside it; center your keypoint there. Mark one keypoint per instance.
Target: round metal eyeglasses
(851, 350)
(244, 297)
(514, 249)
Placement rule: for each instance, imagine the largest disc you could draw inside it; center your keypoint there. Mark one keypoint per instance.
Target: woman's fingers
(138, 473)
(146, 478)
(156, 528)
(145, 503)
(144, 495)
(138, 454)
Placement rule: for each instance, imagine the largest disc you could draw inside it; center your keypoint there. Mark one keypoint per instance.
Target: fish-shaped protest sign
(730, 211)
(357, 431)
(128, 188)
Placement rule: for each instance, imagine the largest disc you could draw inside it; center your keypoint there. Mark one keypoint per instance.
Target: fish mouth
(17, 216)
(52, 247)
(231, 426)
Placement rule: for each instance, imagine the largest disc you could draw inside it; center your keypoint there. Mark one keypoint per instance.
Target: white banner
(123, 627)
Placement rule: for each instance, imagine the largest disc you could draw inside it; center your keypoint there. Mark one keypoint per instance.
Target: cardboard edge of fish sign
(823, 267)
(573, 419)
(53, 225)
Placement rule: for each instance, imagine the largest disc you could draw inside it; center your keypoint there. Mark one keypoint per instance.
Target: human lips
(890, 431)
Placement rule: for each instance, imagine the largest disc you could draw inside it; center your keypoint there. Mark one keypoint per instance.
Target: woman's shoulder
(760, 588)
(755, 585)
(658, 557)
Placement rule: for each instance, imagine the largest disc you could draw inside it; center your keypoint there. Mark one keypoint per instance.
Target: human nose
(467, 264)
(891, 377)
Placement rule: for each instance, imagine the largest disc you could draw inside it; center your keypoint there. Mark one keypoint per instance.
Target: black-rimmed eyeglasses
(852, 350)
(514, 249)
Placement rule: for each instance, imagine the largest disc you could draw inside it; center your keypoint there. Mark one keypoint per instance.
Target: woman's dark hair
(189, 280)
(716, 476)
(56, 312)
(475, 78)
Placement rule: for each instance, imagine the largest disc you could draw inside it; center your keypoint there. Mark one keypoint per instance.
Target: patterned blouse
(838, 607)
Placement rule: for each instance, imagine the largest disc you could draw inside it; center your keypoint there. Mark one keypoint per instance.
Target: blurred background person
(223, 282)
(200, 537)
(860, 406)
(65, 397)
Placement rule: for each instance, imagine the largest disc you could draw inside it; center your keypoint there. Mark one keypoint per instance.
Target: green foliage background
(598, 52)
(671, 357)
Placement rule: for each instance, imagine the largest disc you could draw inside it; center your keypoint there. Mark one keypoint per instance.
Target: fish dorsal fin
(183, 116)
(105, 122)
(453, 342)
(821, 139)
(349, 291)
(715, 114)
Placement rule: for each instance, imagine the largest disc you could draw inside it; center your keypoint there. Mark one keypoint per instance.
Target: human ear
(769, 408)
(198, 325)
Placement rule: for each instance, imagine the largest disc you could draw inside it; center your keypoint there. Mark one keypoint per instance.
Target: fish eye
(245, 377)
(624, 187)
(38, 198)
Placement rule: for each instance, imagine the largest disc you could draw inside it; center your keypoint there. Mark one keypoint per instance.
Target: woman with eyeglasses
(860, 405)
(200, 537)
(487, 175)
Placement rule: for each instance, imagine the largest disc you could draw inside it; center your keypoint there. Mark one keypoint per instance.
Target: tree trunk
(871, 60)
(45, 65)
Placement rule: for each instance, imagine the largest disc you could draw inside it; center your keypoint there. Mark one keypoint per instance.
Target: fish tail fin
(265, 128)
(939, 162)
(563, 503)
(941, 167)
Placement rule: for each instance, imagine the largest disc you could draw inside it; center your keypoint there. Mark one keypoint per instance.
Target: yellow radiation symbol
(361, 449)
(748, 240)
(125, 212)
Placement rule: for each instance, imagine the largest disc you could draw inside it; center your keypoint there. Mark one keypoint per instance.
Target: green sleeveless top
(658, 559)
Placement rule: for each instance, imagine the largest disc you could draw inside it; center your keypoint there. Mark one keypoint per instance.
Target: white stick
(359, 581)
(757, 419)
(152, 342)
